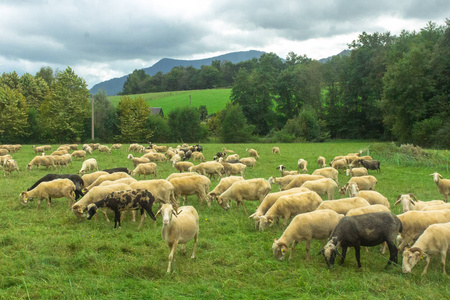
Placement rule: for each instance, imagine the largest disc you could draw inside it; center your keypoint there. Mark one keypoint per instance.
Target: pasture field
(51, 254)
(213, 99)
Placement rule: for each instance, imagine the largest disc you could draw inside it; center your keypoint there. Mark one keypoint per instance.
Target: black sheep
(363, 230)
(220, 154)
(114, 170)
(370, 164)
(76, 179)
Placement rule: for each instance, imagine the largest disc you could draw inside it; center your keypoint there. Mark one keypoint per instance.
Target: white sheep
(328, 172)
(145, 169)
(316, 225)
(137, 160)
(321, 162)
(374, 198)
(339, 164)
(356, 172)
(223, 185)
(88, 149)
(410, 202)
(324, 186)
(299, 180)
(9, 166)
(252, 153)
(182, 166)
(227, 151)
(37, 150)
(78, 154)
(198, 156)
(176, 175)
(342, 206)
(363, 183)
(442, 184)
(121, 180)
(88, 164)
(179, 230)
(88, 179)
(162, 190)
(232, 157)
(191, 185)
(46, 161)
(116, 146)
(434, 240)
(282, 181)
(210, 168)
(302, 165)
(4, 158)
(249, 161)
(366, 210)
(100, 179)
(437, 207)
(284, 172)
(57, 188)
(234, 169)
(276, 150)
(62, 160)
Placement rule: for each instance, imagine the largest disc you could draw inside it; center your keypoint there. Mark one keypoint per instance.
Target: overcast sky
(101, 40)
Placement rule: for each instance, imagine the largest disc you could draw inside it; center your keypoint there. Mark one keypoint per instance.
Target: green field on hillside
(214, 99)
(51, 254)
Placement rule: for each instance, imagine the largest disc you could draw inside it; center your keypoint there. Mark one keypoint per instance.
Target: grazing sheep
(116, 146)
(285, 173)
(88, 164)
(182, 166)
(79, 184)
(88, 179)
(155, 156)
(370, 164)
(437, 207)
(36, 149)
(249, 161)
(78, 154)
(145, 169)
(176, 175)
(103, 148)
(162, 190)
(118, 169)
(282, 181)
(4, 158)
(62, 160)
(363, 183)
(57, 188)
(175, 158)
(191, 185)
(321, 162)
(87, 148)
(356, 172)
(227, 151)
(288, 206)
(302, 165)
(159, 148)
(356, 163)
(3, 152)
(442, 184)
(252, 153)
(135, 148)
(125, 200)
(232, 157)
(434, 240)
(210, 168)
(10, 165)
(276, 150)
(363, 230)
(316, 225)
(112, 177)
(410, 202)
(374, 198)
(299, 180)
(198, 156)
(233, 169)
(328, 172)
(342, 206)
(324, 186)
(121, 180)
(415, 222)
(339, 164)
(219, 155)
(223, 185)
(59, 152)
(251, 189)
(46, 161)
(138, 160)
(179, 230)
(366, 210)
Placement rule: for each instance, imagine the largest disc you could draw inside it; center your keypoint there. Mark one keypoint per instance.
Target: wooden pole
(92, 118)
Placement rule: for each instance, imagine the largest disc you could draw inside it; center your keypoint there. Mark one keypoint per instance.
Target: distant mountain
(343, 53)
(115, 85)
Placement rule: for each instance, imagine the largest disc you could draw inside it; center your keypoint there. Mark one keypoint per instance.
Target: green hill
(215, 99)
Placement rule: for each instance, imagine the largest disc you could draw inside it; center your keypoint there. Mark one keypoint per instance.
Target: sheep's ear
(252, 215)
(158, 212)
(440, 176)
(413, 196)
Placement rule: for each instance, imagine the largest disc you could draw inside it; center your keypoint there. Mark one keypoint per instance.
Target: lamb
(191, 185)
(233, 169)
(442, 184)
(251, 189)
(162, 190)
(322, 186)
(138, 160)
(363, 182)
(9, 166)
(210, 167)
(316, 225)
(302, 165)
(123, 200)
(78, 154)
(282, 181)
(116, 146)
(342, 206)
(57, 188)
(356, 172)
(328, 172)
(182, 166)
(363, 230)
(179, 230)
(198, 156)
(410, 202)
(299, 180)
(46, 161)
(415, 223)
(223, 185)
(339, 164)
(370, 164)
(321, 162)
(113, 176)
(288, 206)
(145, 169)
(276, 150)
(285, 173)
(79, 184)
(252, 153)
(249, 161)
(434, 240)
(88, 179)
(88, 164)
(118, 169)
(270, 200)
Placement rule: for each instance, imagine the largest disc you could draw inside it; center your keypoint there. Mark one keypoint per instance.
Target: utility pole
(189, 100)
(92, 118)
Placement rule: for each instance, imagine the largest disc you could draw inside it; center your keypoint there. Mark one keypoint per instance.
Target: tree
(133, 114)
(233, 125)
(13, 115)
(66, 108)
(159, 126)
(136, 83)
(185, 125)
(46, 73)
(35, 89)
(105, 117)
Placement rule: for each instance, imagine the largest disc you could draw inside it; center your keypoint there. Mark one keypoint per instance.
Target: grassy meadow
(214, 99)
(51, 254)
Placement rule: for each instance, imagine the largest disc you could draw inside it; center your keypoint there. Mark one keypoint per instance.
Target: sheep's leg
(392, 252)
(196, 240)
(358, 255)
(116, 218)
(172, 247)
(344, 253)
(383, 248)
(402, 244)
(105, 214)
(308, 246)
(243, 206)
(183, 249)
(292, 249)
(426, 267)
(443, 258)
(142, 220)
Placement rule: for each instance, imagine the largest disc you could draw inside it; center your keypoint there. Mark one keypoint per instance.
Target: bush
(233, 125)
(424, 132)
(184, 123)
(306, 127)
(159, 128)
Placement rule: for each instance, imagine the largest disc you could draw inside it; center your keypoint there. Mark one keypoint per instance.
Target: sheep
(233, 169)
(321, 162)
(113, 176)
(60, 152)
(316, 225)
(88, 179)
(87, 148)
(227, 151)
(363, 230)
(198, 156)
(288, 206)
(187, 155)
(328, 172)
(78, 154)
(282, 181)
(176, 175)
(38, 149)
(145, 169)
(135, 148)
(179, 230)
(356, 172)
(252, 153)
(269, 200)
(300, 179)
(356, 163)
(434, 240)
(410, 202)
(155, 156)
(169, 154)
(123, 200)
(415, 222)
(251, 189)
(223, 185)
(116, 146)
(367, 209)
(191, 185)
(3, 152)
(182, 166)
(118, 169)
(442, 184)
(9, 166)
(437, 207)
(249, 161)
(175, 158)
(232, 157)
(77, 180)
(373, 198)
(4, 158)
(121, 180)
(276, 150)
(363, 182)
(370, 164)
(342, 206)
(88, 164)
(219, 155)
(138, 160)
(62, 160)
(210, 167)
(322, 186)
(302, 165)
(46, 161)
(162, 190)
(159, 148)
(339, 164)
(50, 189)
(284, 173)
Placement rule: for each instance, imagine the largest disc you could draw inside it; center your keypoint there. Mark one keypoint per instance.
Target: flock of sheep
(362, 219)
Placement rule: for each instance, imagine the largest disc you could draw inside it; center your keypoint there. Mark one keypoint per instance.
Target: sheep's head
(279, 249)
(91, 209)
(78, 210)
(167, 211)
(330, 251)
(407, 201)
(436, 177)
(24, 198)
(264, 222)
(411, 257)
(343, 189)
(223, 203)
(281, 168)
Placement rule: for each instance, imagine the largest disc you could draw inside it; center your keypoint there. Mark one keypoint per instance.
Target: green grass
(214, 99)
(51, 254)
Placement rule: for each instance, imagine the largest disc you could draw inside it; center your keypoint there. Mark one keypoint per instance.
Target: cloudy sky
(101, 40)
